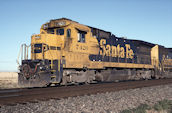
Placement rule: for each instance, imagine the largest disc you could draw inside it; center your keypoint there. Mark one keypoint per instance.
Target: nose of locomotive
(45, 46)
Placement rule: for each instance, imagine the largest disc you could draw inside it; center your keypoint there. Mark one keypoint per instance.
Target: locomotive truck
(66, 52)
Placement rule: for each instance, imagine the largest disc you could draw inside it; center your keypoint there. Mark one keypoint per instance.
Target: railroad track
(14, 96)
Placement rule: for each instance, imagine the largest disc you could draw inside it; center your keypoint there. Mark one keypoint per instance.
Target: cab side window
(81, 36)
(68, 33)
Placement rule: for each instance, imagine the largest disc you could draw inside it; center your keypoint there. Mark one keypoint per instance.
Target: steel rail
(14, 96)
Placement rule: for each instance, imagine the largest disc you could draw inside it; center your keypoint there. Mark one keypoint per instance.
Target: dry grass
(164, 106)
(8, 80)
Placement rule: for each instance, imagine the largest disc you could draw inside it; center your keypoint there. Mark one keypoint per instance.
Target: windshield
(50, 31)
(59, 31)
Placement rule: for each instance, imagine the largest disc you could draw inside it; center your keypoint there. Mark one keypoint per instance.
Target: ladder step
(53, 76)
(55, 82)
(53, 70)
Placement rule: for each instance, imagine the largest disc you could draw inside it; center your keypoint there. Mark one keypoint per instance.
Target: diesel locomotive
(66, 52)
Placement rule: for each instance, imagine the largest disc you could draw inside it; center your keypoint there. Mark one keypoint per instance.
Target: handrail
(23, 53)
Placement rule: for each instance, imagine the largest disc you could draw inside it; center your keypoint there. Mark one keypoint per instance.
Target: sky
(147, 20)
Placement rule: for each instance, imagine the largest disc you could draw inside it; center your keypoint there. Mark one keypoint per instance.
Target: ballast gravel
(110, 102)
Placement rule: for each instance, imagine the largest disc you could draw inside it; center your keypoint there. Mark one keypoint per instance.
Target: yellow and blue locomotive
(66, 51)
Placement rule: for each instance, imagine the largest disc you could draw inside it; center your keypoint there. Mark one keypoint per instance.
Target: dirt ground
(8, 80)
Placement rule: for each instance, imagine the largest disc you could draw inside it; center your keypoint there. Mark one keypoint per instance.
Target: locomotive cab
(61, 44)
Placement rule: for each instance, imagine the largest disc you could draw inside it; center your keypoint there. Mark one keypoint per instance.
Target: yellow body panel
(155, 56)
